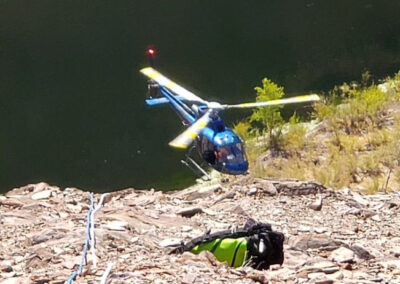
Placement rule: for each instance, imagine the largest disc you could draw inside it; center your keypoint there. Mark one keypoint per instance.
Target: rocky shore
(332, 236)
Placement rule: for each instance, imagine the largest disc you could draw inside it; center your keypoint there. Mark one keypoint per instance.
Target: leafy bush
(378, 138)
(242, 128)
(373, 186)
(293, 167)
(293, 138)
(350, 143)
(357, 140)
(269, 117)
(359, 110)
(338, 171)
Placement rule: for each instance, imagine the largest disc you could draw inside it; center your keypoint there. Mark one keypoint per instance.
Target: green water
(72, 109)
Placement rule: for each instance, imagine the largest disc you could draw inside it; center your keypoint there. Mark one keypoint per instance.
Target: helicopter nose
(237, 168)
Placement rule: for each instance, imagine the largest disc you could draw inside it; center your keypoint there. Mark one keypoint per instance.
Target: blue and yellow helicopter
(217, 145)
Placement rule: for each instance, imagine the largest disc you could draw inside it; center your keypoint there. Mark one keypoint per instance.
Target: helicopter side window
(208, 150)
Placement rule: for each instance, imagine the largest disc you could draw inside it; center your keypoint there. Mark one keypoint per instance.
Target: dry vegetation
(352, 141)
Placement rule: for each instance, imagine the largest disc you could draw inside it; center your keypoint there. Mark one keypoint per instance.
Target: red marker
(151, 52)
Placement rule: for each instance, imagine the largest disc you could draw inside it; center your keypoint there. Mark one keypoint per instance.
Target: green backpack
(254, 245)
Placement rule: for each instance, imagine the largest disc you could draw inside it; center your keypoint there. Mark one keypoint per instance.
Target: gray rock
(396, 251)
(316, 275)
(200, 191)
(186, 228)
(229, 195)
(390, 263)
(342, 255)
(252, 191)
(320, 230)
(338, 275)
(270, 189)
(314, 241)
(189, 278)
(317, 205)
(134, 240)
(361, 252)
(189, 212)
(45, 194)
(324, 281)
(16, 280)
(48, 234)
(325, 266)
(295, 259)
(12, 202)
(6, 266)
(237, 209)
(359, 199)
(117, 226)
(292, 188)
(330, 270)
(170, 243)
(303, 228)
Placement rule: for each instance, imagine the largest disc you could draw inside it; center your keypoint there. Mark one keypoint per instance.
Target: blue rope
(73, 276)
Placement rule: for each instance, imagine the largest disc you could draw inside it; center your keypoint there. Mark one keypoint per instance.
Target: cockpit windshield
(232, 153)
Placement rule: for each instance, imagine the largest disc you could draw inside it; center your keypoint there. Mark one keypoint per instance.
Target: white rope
(106, 272)
(92, 239)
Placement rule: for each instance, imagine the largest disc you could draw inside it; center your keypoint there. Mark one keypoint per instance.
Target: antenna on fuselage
(152, 86)
(151, 52)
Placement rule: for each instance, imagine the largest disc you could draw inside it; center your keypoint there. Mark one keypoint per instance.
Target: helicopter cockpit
(231, 153)
(224, 152)
(231, 158)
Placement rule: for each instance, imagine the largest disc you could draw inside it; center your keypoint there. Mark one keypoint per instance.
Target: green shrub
(338, 171)
(293, 167)
(242, 128)
(356, 143)
(293, 139)
(350, 144)
(379, 137)
(269, 117)
(359, 109)
(362, 110)
(373, 186)
(370, 164)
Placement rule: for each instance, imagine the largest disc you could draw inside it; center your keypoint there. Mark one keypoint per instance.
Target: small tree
(269, 117)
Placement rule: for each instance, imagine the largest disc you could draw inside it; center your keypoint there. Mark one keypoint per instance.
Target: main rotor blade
(187, 137)
(164, 81)
(293, 100)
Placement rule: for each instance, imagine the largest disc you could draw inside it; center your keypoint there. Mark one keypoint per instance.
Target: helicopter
(217, 145)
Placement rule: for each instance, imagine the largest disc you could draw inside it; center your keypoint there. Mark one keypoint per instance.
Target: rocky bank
(332, 236)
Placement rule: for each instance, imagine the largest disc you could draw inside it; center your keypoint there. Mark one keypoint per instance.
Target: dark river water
(72, 109)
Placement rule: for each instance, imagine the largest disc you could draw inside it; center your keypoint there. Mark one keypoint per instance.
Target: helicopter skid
(196, 168)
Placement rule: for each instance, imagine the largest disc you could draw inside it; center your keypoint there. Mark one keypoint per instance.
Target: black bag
(264, 246)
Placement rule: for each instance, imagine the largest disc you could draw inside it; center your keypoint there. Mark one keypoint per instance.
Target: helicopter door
(207, 150)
